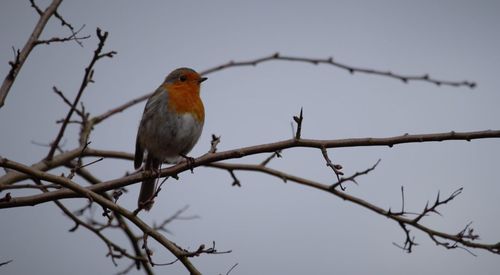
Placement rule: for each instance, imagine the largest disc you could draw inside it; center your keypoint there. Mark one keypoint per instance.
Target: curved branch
(60, 159)
(349, 68)
(77, 189)
(457, 238)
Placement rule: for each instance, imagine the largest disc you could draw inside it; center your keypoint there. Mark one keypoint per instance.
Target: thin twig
(72, 37)
(6, 262)
(173, 217)
(336, 168)
(276, 154)
(354, 176)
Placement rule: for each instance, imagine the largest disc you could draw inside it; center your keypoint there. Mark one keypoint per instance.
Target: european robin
(171, 125)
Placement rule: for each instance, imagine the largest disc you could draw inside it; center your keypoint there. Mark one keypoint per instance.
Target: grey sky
(272, 228)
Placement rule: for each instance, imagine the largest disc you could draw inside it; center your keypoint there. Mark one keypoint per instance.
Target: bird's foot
(190, 162)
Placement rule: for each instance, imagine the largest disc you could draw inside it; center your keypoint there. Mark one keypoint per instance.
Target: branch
(87, 78)
(61, 159)
(6, 262)
(173, 217)
(350, 69)
(335, 167)
(73, 37)
(107, 204)
(122, 224)
(437, 203)
(354, 176)
(22, 55)
(462, 238)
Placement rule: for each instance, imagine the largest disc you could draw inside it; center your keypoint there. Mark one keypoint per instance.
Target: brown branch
(461, 238)
(87, 78)
(107, 204)
(112, 246)
(28, 186)
(122, 224)
(348, 68)
(22, 55)
(61, 159)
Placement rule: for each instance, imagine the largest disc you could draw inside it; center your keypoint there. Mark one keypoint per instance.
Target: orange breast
(185, 98)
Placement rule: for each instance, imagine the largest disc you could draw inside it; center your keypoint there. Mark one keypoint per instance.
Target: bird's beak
(202, 79)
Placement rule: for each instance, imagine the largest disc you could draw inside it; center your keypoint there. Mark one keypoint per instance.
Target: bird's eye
(182, 78)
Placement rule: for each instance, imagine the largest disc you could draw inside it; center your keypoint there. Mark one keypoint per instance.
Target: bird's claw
(189, 161)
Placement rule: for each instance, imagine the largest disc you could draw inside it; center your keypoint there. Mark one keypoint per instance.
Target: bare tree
(54, 188)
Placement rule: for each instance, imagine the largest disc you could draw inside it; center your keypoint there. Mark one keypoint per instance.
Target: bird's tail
(146, 199)
(148, 187)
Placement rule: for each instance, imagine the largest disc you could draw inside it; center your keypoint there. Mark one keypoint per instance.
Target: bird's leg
(189, 160)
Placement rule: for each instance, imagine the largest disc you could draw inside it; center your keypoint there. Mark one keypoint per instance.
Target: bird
(171, 124)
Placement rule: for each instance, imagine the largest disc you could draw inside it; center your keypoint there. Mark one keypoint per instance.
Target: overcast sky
(271, 227)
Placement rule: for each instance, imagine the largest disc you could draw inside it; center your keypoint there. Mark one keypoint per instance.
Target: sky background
(271, 227)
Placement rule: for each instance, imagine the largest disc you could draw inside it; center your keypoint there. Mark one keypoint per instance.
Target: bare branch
(106, 204)
(60, 159)
(335, 167)
(298, 120)
(466, 240)
(5, 263)
(231, 269)
(213, 144)
(436, 204)
(35, 6)
(73, 37)
(22, 55)
(29, 186)
(236, 181)
(276, 154)
(348, 68)
(203, 250)
(66, 100)
(87, 78)
(354, 176)
(173, 217)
